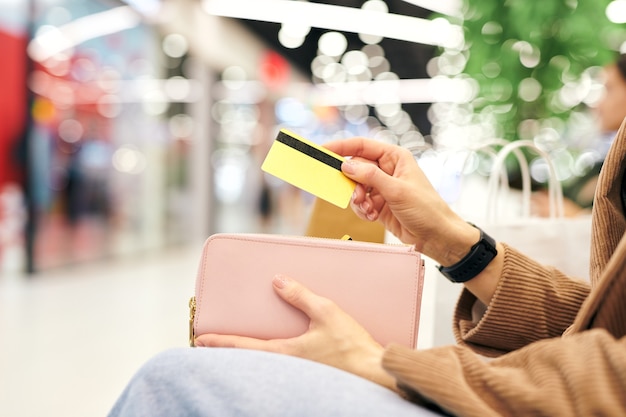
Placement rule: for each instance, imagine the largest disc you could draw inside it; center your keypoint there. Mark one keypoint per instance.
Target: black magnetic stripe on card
(309, 150)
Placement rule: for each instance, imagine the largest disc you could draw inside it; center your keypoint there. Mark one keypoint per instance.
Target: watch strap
(472, 264)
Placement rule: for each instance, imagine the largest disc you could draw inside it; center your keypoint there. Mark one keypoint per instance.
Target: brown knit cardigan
(547, 345)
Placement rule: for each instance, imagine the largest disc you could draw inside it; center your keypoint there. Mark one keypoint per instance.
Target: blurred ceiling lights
(145, 7)
(437, 89)
(348, 77)
(50, 40)
(437, 32)
(447, 7)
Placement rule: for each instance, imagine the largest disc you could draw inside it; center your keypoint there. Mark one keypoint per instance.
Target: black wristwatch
(474, 262)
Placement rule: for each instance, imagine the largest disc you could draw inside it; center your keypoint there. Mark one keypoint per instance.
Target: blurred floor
(71, 338)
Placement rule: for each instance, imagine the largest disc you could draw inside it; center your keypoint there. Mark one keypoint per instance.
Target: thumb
(295, 294)
(365, 173)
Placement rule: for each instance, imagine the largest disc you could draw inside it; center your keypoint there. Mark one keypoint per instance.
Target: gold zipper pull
(192, 315)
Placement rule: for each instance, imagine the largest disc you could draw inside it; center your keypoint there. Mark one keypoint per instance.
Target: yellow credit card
(309, 167)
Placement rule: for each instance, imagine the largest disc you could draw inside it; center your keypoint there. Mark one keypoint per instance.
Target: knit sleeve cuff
(531, 302)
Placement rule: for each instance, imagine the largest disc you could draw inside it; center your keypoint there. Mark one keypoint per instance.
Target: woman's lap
(233, 382)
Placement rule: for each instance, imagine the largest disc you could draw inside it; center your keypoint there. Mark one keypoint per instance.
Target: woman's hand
(392, 188)
(333, 338)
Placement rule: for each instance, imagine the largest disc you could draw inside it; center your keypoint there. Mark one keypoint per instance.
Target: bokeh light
(332, 44)
(175, 45)
(128, 159)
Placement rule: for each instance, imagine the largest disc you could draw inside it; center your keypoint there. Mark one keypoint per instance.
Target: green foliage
(550, 41)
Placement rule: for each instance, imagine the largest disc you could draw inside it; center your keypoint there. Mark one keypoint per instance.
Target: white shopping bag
(562, 242)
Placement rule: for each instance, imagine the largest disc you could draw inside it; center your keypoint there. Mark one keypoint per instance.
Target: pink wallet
(379, 285)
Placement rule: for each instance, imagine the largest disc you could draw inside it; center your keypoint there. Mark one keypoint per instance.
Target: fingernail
(198, 343)
(280, 281)
(349, 166)
(365, 206)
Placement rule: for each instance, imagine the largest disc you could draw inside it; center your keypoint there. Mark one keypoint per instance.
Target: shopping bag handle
(489, 148)
(555, 192)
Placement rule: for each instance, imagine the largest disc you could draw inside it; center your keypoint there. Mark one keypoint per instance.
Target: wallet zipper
(349, 238)
(192, 315)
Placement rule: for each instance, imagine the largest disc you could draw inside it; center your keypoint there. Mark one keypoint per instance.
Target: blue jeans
(220, 382)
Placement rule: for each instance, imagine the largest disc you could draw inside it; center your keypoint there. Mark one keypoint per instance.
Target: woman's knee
(167, 363)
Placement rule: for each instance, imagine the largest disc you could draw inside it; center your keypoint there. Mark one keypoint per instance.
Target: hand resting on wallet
(333, 337)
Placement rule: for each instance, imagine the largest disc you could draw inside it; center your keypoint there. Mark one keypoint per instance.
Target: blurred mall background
(132, 130)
